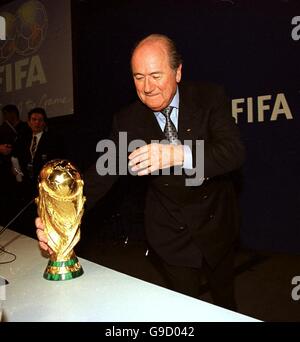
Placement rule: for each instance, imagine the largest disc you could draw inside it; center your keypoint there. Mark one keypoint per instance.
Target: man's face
(155, 81)
(37, 123)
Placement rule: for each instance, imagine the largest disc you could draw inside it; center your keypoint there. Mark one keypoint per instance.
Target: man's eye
(156, 77)
(138, 77)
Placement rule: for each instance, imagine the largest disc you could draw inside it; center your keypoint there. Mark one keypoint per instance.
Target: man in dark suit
(10, 130)
(191, 228)
(12, 126)
(35, 147)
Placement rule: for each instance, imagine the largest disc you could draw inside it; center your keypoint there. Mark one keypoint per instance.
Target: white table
(100, 294)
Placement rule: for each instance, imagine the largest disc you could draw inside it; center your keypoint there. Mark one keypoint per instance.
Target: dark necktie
(170, 129)
(33, 146)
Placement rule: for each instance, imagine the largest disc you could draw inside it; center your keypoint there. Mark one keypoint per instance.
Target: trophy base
(63, 270)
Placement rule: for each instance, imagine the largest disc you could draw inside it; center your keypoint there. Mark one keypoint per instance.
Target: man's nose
(148, 85)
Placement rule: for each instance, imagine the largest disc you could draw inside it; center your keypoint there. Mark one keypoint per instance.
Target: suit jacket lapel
(153, 130)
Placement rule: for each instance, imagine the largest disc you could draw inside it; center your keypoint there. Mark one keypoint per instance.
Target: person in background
(7, 184)
(36, 147)
(12, 127)
(10, 130)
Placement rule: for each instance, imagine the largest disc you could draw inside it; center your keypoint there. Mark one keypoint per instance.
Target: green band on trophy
(63, 270)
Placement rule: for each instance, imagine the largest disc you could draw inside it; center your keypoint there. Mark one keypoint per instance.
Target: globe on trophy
(60, 206)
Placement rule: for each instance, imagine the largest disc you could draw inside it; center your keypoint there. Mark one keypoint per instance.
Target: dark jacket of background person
(48, 148)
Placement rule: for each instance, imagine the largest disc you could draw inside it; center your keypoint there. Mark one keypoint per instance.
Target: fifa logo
(296, 30)
(2, 28)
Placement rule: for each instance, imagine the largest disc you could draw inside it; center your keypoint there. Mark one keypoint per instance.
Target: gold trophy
(60, 206)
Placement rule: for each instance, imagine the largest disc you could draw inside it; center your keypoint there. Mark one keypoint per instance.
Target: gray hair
(174, 56)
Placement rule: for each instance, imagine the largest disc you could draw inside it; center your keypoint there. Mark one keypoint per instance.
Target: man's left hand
(152, 157)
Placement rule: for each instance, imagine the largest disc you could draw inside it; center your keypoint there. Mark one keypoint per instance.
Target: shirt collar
(174, 102)
(38, 135)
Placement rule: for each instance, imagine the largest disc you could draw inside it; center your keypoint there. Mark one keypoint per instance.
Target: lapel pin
(189, 129)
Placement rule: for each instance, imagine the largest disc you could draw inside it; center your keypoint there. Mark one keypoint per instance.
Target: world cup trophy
(60, 206)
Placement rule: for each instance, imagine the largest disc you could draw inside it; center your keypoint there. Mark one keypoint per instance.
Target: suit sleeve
(223, 149)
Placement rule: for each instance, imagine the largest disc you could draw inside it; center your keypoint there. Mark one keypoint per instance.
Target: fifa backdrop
(36, 57)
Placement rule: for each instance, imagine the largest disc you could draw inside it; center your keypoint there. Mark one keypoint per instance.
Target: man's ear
(178, 73)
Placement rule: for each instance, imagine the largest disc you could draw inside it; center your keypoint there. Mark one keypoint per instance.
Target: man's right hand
(43, 241)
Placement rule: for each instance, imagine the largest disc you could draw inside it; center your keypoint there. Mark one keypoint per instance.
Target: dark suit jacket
(185, 223)
(9, 136)
(48, 148)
